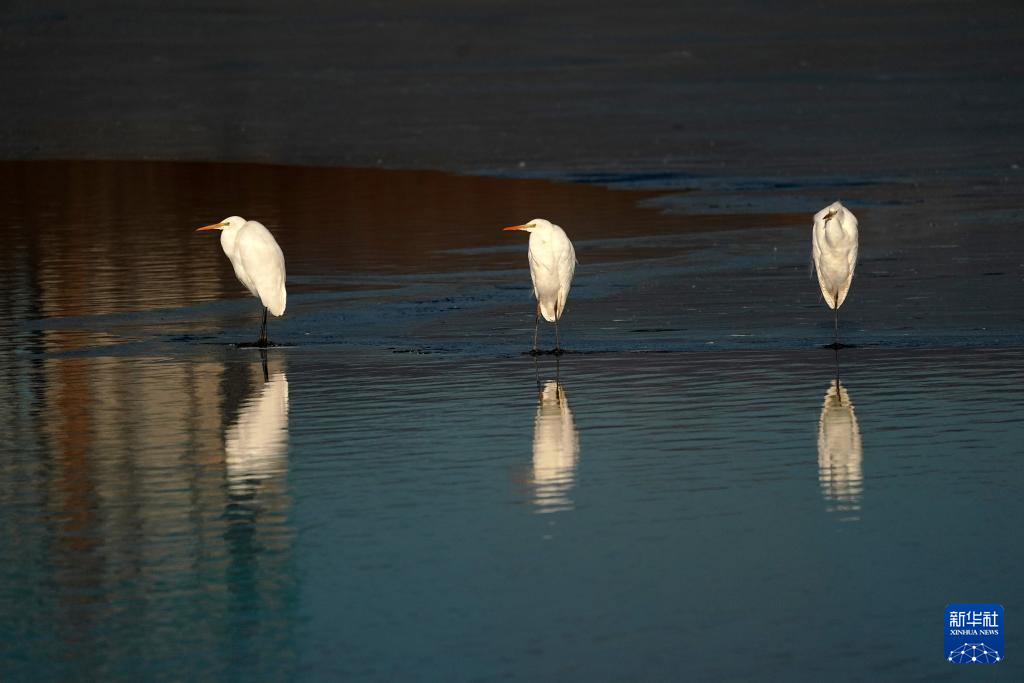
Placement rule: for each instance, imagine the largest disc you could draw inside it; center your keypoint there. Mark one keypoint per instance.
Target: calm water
(401, 495)
(393, 516)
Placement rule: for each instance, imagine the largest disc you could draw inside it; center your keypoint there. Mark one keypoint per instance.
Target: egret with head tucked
(258, 263)
(834, 251)
(552, 264)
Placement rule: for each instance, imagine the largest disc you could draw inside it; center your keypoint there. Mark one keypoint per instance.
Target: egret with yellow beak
(258, 263)
(552, 264)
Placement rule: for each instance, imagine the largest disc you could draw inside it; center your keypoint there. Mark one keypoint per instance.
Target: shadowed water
(400, 494)
(354, 515)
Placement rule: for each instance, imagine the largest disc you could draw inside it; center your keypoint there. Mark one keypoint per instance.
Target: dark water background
(399, 493)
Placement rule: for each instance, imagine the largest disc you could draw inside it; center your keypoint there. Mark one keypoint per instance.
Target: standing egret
(258, 263)
(552, 263)
(834, 248)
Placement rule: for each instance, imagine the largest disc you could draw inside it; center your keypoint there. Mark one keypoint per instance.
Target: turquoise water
(390, 516)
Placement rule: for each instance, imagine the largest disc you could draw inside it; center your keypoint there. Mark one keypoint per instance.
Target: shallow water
(401, 494)
(360, 515)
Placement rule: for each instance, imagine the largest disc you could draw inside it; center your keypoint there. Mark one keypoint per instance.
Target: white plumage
(258, 263)
(835, 251)
(552, 265)
(834, 242)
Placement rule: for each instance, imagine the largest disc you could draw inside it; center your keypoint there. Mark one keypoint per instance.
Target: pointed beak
(515, 227)
(215, 226)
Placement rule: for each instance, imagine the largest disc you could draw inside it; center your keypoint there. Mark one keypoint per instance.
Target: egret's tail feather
(276, 304)
(841, 296)
(548, 311)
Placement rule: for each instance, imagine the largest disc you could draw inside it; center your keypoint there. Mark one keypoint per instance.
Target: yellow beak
(211, 227)
(514, 227)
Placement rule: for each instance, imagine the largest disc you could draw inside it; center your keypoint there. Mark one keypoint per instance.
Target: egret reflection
(556, 449)
(840, 454)
(256, 443)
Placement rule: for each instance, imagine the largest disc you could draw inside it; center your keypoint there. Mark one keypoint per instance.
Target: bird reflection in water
(256, 442)
(840, 454)
(556, 449)
(257, 534)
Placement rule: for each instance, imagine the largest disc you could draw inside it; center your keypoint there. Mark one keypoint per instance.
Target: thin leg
(836, 331)
(263, 358)
(536, 326)
(558, 342)
(263, 330)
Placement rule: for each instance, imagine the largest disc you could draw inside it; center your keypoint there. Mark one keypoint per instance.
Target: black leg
(536, 327)
(263, 358)
(836, 330)
(558, 341)
(263, 330)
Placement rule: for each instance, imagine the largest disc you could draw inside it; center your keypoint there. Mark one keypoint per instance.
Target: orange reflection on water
(93, 237)
(137, 487)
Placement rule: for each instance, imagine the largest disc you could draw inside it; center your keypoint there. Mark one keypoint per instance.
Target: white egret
(258, 263)
(552, 264)
(834, 249)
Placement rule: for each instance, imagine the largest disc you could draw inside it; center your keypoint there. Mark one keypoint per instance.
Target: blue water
(393, 517)
(398, 493)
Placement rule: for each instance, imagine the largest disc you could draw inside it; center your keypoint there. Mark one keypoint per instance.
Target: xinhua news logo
(974, 633)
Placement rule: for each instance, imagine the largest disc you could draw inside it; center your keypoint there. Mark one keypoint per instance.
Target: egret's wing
(816, 252)
(851, 262)
(263, 261)
(851, 258)
(536, 266)
(566, 263)
(815, 249)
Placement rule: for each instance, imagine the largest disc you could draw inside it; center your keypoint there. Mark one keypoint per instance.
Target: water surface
(399, 493)
(387, 516)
